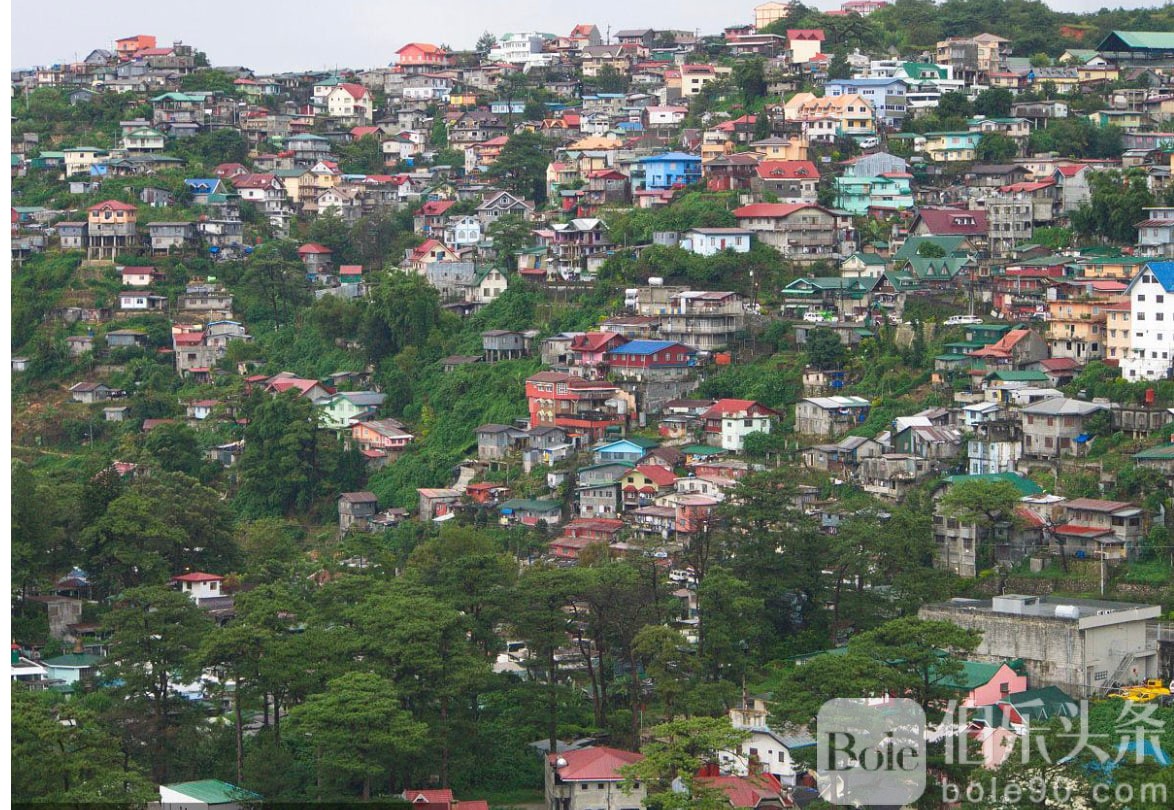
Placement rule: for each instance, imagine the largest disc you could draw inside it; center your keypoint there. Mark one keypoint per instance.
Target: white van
(963, 320)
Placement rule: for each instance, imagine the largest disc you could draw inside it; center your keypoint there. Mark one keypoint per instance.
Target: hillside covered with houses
(557, 420)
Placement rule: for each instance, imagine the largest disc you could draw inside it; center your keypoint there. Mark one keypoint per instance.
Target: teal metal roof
(1025, 485)
(213, 791)
(1142, 40)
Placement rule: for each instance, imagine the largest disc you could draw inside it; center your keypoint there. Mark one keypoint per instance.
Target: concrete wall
(1078, 657)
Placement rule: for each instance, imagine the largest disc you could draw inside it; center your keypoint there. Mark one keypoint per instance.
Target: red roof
(443, 796)
(770, 210)
(658, 475)
(313, 247)
(362, 132)
(596, 764)
(350, 270)
(1070, 171)
(302, 386)
(1098, 505)
(593, 341)
(805, 34)
(356, 90)
(258, 180)
(1083, 531)
(428, 246)
(435, 208)
(113, 205)
(1027, 187)
(1059, 364)
(197, 576)
(787, 170)
(426, 47)
(744, 791)
(954, 221)
(1003, 346)
(734, 407)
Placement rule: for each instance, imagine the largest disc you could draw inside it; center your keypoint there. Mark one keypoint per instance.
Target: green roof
(1025, 485)
(1043, 704)
(627, 464)
(966, 345)
(213, 791)
(972, 675)
(1148, 40)
(701, 450)
(1098, 260)
(1156, 453)
(47, 154)
(951, 358)
(1017, 376)
(952, 245)
(194, 98)
(74, 661)
(868, 258)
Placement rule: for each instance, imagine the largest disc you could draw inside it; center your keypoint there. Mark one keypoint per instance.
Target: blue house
(630, 450)
(887, 97)
(670, 170)
(201, 188)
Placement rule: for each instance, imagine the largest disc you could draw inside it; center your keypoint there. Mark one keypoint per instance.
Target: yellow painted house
(853, 113)
(785, 147)
(1097, 73)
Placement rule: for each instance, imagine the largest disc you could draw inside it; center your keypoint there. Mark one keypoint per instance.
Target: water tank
(656, 281)
(1067, 612)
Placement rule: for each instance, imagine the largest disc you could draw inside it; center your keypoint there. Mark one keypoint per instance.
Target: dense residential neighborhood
(558, 420)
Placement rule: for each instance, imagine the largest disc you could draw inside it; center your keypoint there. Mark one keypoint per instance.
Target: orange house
(422, 54)
(129, 46)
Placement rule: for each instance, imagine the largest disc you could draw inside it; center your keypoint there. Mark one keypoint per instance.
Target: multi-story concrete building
(1083, 646)
(1151, 308)
(110, 229)
(1106, 530)
(1053, 427)
(705, 320)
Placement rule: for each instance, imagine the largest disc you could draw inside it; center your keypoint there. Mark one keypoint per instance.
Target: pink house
(589, 350)
(987, 684)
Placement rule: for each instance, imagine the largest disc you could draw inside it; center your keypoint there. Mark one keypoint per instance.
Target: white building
(462, 231)
(765, 750)
(708, 241)
(1151, 305)
(349, 100)
(198, 585)
(1155, 234)
(523, 49)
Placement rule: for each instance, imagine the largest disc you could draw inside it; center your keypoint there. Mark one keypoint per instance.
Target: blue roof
(1164, 273)
(670, 156)
(198, 183)
(644, 347)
